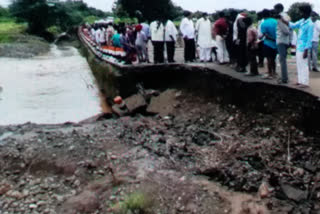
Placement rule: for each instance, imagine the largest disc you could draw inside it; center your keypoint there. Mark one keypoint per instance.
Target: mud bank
(217, 82)
(25, 46)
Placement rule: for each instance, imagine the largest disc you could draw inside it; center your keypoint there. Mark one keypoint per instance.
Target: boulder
(86, 202)
(164, 104)
(136, 103)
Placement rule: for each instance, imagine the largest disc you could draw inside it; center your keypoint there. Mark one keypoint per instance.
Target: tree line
(42, 15)
(166, 9)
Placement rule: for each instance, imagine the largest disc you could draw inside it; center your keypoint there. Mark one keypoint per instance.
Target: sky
(207, 5)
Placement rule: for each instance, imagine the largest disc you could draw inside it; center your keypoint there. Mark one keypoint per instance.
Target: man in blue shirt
(269, 33)
(304, 43)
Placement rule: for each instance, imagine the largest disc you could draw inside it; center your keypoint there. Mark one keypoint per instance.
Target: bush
(90, 19)
(54, 30)
(136, 203)
(9, 29)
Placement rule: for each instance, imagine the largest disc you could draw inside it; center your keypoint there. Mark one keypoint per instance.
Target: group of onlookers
(232, 39)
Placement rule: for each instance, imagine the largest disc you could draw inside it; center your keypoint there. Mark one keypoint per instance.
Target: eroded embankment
(255, 138)
(99, 167)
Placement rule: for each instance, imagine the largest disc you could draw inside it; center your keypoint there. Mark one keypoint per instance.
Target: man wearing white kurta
(203, 27)
(188, 33)
(304, 43)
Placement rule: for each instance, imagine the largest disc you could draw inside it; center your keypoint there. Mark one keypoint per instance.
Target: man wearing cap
(141, 44)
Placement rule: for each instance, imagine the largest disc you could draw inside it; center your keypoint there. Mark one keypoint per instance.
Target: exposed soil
(199, 157)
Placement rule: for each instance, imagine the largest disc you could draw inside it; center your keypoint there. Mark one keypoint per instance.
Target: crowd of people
(232, 39)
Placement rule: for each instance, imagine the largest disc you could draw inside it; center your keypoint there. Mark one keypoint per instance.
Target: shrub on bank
(9, 30)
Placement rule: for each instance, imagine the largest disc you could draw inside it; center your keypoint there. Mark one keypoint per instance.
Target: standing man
(220, 33)
(304, 43)
(269, 32)
(97, 35)
(260, 41)
(146, 30)
(241, 42)
(203, 27)
(141, 43)
(283, 40)
(157, 38)
(313, 52)
(252, 43)
(188, 33)
(171, 33)
(229, 39)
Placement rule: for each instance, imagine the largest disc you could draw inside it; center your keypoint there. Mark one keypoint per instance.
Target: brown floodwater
(54, 88)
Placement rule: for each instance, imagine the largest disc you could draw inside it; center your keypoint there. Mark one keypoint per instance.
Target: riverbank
(24, 46)
(189, 160)
(16, 43)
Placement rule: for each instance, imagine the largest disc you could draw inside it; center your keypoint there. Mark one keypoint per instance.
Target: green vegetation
(135, 203)
(9, 30)
(151, 10)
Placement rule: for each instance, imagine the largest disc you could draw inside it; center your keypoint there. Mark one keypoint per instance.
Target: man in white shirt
(203, 27)
(157, 38)
(170, 38)
(188, 33)
(313, 52)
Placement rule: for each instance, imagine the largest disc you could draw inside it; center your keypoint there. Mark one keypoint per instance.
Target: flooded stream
(54, 88)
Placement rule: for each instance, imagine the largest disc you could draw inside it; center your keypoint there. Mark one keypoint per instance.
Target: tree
(35, 12)
(4, 12)
(294, 12)
(60, 15)
(151, 10)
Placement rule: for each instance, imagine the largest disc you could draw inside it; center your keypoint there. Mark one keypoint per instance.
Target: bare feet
(303, 86)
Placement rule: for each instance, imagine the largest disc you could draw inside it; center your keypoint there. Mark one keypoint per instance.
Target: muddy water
(54, 88)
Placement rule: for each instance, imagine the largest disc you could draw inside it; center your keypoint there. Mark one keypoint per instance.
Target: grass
(9, 29)
(137, 202)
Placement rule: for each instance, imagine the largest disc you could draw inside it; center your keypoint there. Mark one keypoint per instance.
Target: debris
(264, 190)
(117, 100)
(293, 193)
(163, 104)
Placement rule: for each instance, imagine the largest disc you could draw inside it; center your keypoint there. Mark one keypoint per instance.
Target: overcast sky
(207, 5)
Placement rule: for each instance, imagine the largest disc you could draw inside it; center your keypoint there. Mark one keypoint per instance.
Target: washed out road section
(54, 88)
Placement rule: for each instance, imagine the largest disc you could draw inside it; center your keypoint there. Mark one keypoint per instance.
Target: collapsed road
(193, 140)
